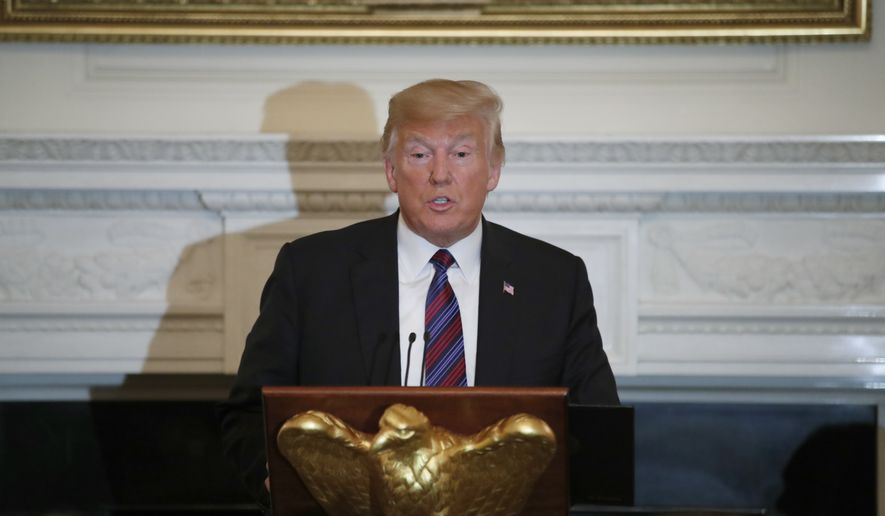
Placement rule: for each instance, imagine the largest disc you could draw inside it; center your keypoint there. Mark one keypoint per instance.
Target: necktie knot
(442, 259)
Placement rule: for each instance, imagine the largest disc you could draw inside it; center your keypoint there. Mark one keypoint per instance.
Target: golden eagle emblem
(413, 468)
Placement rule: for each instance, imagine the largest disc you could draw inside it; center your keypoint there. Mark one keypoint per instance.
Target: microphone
(426, 340)
(412, 338)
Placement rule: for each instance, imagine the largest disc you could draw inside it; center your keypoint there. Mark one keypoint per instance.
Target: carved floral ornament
(743, 151)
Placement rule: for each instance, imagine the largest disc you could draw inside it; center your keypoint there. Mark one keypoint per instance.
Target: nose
(439, 170)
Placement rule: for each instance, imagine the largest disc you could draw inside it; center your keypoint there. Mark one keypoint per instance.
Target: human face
(442, 172)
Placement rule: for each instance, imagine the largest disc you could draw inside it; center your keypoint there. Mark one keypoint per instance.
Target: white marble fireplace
(743, 267)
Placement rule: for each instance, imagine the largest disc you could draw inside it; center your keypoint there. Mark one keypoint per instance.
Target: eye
(419, 155)
(462, 154)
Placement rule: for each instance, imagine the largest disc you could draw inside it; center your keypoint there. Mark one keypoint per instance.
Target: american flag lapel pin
(508, 289)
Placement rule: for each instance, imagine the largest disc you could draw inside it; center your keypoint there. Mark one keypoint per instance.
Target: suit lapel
(376, 302)
(496, 335)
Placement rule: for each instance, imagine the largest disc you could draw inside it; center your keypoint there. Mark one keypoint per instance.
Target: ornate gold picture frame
(429, 22)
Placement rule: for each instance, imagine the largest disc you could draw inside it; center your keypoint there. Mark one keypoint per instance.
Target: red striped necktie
(444, 351)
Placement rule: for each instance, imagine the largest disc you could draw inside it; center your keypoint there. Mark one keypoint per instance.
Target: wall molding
(311, 202)
(109, 66)
(374, 202)
(755, 327)
(99, 200)
(106, 323)
(275, 148)
(266, 173)
(688, 202)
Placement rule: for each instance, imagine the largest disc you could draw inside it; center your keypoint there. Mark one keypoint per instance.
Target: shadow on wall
(314, 110)
(214, 290)
(832, 473)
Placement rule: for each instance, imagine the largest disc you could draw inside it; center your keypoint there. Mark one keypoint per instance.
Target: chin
(438, 236)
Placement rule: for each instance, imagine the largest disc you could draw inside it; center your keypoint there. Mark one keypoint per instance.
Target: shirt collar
(414, 253)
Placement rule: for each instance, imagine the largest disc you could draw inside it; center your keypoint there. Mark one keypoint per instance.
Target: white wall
(561, 91)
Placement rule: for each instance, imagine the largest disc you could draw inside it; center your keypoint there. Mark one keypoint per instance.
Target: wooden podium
(462, 410)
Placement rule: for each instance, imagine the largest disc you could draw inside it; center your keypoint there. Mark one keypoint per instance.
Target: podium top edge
(287, 391)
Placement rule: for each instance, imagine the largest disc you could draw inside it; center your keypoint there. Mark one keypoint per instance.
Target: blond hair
(444, 100)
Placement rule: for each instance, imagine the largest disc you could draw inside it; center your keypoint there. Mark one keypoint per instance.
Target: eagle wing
(494, 471)
(330, 457)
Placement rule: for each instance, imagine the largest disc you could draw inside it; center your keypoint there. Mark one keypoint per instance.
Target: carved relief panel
(764, 260)
(763, 294)
(59, 258)
(110, 292)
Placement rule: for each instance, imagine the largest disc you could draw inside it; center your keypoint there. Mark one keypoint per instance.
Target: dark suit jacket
(330, 316)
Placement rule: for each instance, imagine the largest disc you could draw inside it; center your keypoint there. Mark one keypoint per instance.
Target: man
(486, 305)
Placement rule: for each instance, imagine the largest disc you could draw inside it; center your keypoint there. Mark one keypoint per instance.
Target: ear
(390, 172)
(494, 176)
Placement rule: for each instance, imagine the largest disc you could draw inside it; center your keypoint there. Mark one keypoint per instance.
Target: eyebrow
(458, 140)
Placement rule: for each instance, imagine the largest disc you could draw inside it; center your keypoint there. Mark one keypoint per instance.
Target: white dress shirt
(415, 275)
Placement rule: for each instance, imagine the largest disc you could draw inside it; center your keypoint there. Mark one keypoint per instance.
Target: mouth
(440, 203)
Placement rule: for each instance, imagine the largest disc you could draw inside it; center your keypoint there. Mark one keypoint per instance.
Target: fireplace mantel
(717, 263)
